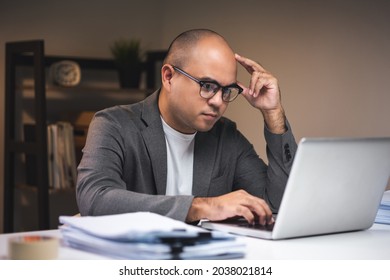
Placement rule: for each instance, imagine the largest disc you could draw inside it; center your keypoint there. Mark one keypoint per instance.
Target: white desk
(372, 244)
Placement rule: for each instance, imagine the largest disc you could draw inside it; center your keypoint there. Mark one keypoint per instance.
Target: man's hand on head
(263, 93)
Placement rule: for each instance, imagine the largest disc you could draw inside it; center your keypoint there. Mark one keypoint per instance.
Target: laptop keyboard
(256, 226)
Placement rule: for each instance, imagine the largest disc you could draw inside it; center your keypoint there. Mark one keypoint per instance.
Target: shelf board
(52, 191)
(62, 101)
(84, 62)
(80, 92)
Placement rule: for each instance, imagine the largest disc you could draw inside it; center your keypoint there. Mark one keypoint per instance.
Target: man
(174, 154)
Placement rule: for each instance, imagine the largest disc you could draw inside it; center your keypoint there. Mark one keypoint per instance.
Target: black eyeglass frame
(201, 83)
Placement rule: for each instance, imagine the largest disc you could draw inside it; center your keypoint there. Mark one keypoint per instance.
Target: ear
(166, 75)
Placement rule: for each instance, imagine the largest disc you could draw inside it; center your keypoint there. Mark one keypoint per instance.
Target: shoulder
(225, 131)
(119, 112)
(131, 113)
(224, 126)
(113, 117)
(228, 133)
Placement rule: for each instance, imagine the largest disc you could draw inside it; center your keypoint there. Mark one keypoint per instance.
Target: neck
(168, 117)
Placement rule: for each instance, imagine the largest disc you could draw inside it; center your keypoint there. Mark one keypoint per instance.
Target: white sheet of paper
(125, 225)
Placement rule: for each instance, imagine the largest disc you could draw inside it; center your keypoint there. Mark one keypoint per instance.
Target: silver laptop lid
(335, 185)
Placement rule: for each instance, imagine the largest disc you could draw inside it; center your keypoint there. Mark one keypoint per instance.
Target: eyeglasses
(209, 88)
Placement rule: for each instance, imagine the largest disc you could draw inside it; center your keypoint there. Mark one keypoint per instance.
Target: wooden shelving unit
(14, 145)
(45, 102)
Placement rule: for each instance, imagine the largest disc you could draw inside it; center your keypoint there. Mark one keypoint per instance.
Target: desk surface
(372, 244)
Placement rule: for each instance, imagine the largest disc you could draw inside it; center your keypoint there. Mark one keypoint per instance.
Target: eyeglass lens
(209, 89)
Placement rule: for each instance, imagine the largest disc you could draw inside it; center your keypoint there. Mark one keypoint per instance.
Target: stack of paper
(145, 235)
(383, 215)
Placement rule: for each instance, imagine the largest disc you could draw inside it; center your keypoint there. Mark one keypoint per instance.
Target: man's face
(212, 60)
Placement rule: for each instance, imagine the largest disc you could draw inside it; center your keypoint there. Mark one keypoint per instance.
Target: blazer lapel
(204, 159)
(153, 136)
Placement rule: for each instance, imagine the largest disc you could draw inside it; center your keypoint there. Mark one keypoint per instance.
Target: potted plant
(128, 59)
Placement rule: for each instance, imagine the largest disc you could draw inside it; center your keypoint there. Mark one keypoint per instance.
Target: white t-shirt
(180, 152)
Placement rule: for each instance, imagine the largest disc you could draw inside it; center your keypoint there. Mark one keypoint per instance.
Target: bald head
(182, 48)
(205, 56)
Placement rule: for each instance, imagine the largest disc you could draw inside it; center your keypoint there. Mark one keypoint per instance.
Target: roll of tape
(33, 247)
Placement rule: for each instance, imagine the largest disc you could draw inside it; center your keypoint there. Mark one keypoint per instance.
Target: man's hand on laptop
(237, 203)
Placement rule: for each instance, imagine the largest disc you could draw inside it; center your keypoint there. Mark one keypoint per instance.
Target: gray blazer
(124, 164)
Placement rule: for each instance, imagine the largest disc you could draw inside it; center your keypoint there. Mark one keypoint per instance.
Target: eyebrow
(208, 79)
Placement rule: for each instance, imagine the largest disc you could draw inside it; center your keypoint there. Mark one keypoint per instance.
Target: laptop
(335, 185)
